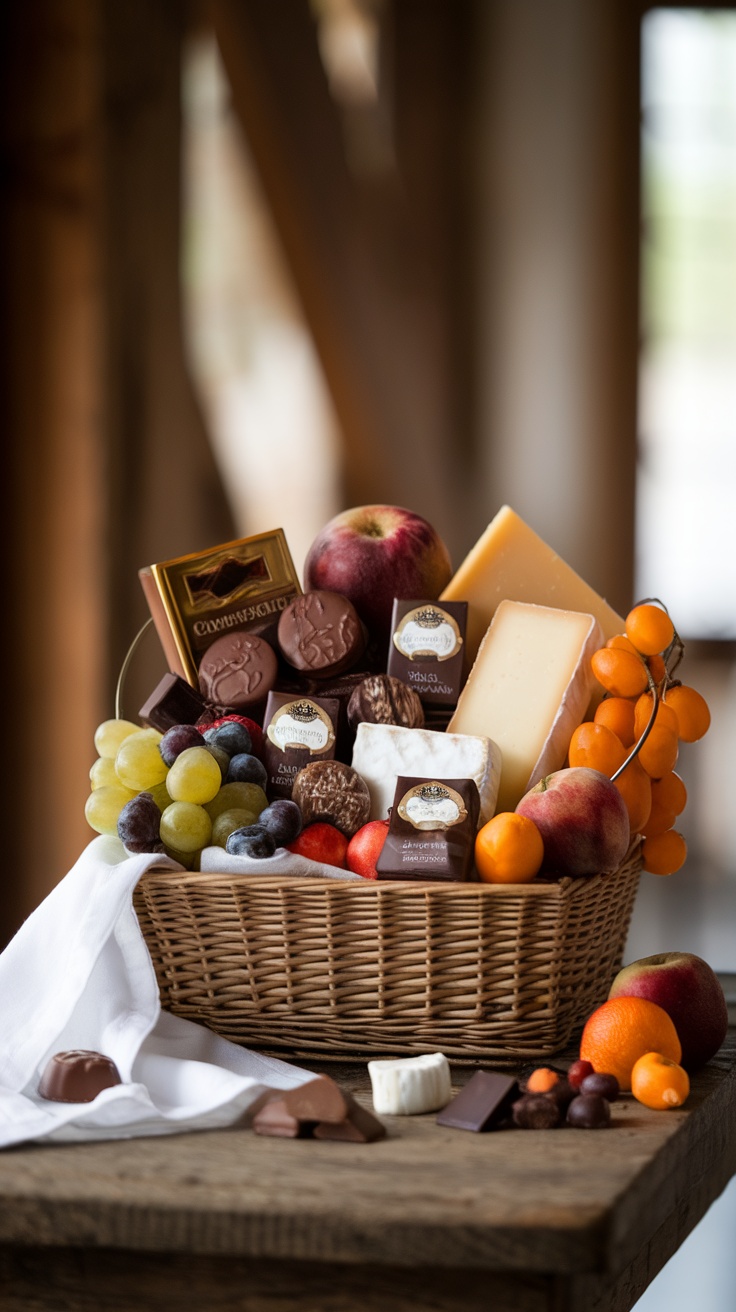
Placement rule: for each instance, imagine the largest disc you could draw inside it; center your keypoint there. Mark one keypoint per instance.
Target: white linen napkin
(78, 974)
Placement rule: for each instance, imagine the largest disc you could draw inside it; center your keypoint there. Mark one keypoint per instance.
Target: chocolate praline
(238, 670)
(320, 633)
(77, 1075)
(382, 699)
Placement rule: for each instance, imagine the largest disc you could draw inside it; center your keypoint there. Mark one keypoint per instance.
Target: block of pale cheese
(510, 562)
(410, 1086)
(528, 690)
(382, 752)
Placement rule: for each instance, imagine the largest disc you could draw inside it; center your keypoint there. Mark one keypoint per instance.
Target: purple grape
(177, 739)
(607, 1086)
(247, 769)
(138, 825)
(250, 840)
(283, 820)
(222, 758)
(232, 737)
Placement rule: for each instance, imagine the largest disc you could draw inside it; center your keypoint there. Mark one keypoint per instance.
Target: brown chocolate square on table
(484, 1102)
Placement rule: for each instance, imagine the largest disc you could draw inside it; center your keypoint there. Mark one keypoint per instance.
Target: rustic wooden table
(428, 1218)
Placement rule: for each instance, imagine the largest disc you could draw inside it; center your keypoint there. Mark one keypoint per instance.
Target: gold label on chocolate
(428, 632)
(432, 805)
(301, 724)
(195, 599)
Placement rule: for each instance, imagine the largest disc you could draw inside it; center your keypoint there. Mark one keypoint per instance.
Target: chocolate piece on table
(321, 634)
(483, 1103)
(536, 1111)
(334, 793)
(173, 701)
(77, 1075)
(589, 1111)
(432, 828)
(320, 1099)
(381, 699)
(359, 1125)
(297, 731)
(238, 670)
(275, 1119)
(427, 649)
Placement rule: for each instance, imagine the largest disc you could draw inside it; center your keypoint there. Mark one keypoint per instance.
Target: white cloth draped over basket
(78, 975)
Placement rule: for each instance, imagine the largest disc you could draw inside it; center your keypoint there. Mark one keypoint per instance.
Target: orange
(649, 628)
(691, 709)
(664, 854)
(618, 715)
(508, 849)
(595, 746)
(635, 787)
(621, 672)
(621, 1031)
(658, 1082)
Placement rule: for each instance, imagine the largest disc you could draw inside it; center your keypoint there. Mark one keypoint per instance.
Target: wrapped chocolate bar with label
(427, 650)
(432, 829)
(297, 730)
(196, 599)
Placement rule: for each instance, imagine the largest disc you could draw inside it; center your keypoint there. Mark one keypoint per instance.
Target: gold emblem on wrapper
(428, 633)
(432, 805)
(197, 598)
(301, 724)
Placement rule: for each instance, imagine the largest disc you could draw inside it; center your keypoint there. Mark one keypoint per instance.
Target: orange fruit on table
(649, 628)
(618, 715)
(658, 1082)
(622, 673)
(621, 1031)
(664, 854)
(691, 709)
(508, 849)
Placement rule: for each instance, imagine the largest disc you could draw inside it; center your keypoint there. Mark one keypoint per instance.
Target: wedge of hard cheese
(528, 690)
(384, 751)
(510, 562)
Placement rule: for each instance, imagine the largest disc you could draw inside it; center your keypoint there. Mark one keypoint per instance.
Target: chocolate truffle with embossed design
(238, 670)
(382, 699)
(320, 634)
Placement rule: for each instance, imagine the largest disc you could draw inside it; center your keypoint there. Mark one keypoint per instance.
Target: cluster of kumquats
(638, 726)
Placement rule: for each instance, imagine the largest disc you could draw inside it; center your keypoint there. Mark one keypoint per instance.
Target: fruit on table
(589, 1111)
(365, 847)
(371, 554)
(577, 1072)
(601, 1083)
(621, 1030)
(582, 819)
(689, 990)
(658, 1082)
(508, 849)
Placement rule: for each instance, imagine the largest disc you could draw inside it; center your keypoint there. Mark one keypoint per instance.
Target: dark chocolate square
(483, 1103)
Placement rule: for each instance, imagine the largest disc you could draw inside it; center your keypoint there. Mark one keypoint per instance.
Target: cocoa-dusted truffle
(333, 793)
(320, 633)
(77, 1075)
(536, 1111)
(382, 699)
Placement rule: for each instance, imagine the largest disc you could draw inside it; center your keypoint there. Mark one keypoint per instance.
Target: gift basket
(469, 815)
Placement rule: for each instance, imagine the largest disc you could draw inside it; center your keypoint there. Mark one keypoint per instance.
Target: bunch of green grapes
(184, 790)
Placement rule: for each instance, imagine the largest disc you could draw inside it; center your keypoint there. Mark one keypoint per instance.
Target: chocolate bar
(197, 598)
(427, 649)
(297, 731)
(432, 828)
(173, 701)
(482, 1104)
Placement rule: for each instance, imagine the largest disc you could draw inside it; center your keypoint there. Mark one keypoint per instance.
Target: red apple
(372, 554)
(321, 842)
(689, 991)
(583, 821)
(365, 847)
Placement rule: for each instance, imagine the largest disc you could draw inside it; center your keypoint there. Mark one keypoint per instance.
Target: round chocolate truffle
(334, 794)
(320, 633)
(238, 670)
(382, 699)
(77, 1076)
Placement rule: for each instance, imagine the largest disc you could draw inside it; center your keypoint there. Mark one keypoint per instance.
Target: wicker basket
(332, 968)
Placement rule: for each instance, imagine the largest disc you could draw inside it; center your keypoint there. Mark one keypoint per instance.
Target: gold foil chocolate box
(197, 598)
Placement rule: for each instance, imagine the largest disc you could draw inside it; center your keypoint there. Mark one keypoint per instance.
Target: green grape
(250, 797)
(195, 776)
(103, 806)
(185, 827)
(110, 734)
(227, 821)
(139, 764)
(102, 774)
(189, 860)
(160, 795)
